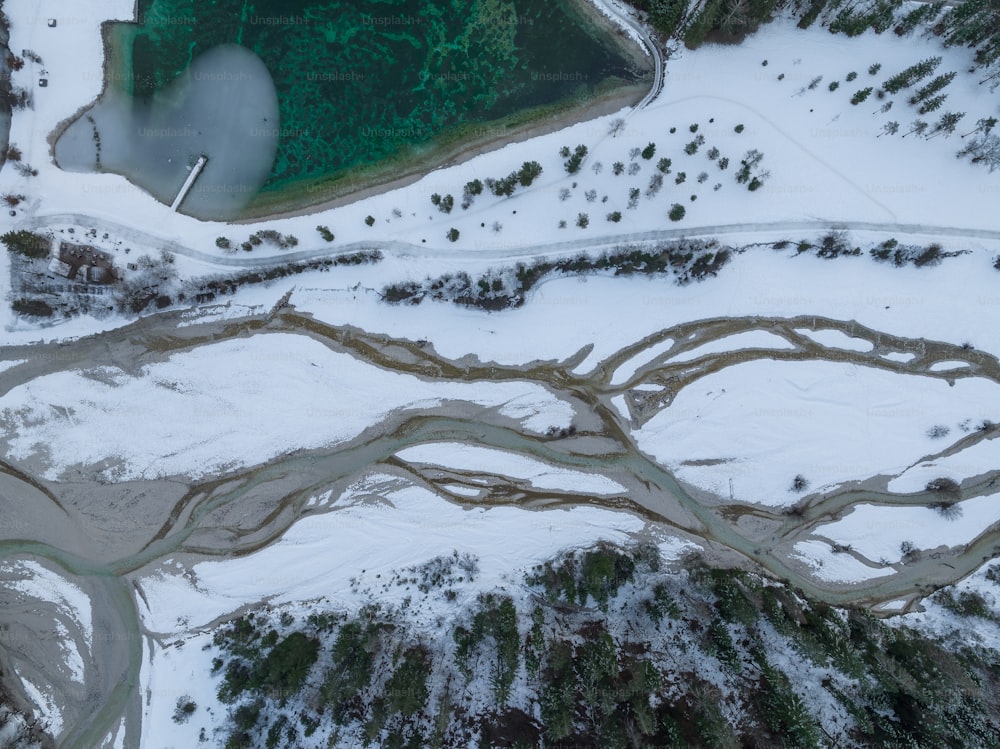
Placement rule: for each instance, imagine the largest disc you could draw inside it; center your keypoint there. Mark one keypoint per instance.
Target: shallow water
(224, 105)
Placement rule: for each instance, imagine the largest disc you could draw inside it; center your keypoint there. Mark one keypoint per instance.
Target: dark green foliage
(664, 15)
(966, 603)
(703, 22)
(471, 189)
(27, 243)
(932, 87)
(911, 75)
(615, 216)
(286, 666)
(662, 605)
(932, 104)
(370, 220)
(720, 644)
(751, 159)
(558, 695)
(574, 160)
(529, 172)
(596, 574)
(923, 13)
(236, 680)
(406, 691)
(861, 95)
(594, 689)
(812, 13)
(603, 573)
(974, 24)
(879, 17)
(32, 308)
(649, 151)
(452, 234)
(325, 233)
(733, 591)
(677, 212)
(503, 187)
(783, 711)
(727, 20)
(353, 654)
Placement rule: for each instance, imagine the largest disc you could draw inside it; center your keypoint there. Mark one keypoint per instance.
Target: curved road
(624, 18)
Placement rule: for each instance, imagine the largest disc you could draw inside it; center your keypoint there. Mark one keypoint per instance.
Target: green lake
(361, 82)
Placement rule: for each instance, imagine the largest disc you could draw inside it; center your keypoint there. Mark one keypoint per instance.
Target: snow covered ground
(824, 156)
(762, 423)
(340, 560)
(879, 532)
(834, 566)
(972, 461)
(768, 421)
(229, 404)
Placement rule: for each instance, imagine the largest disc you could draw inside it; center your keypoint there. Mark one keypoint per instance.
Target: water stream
(57, 523)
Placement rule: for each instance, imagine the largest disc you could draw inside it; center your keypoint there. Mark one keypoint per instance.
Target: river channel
(104, 537)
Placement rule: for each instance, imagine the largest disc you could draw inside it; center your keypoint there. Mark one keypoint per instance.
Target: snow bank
(878, 532)
(762, 423)
(473, 458)
(231, 404)
(835, 567)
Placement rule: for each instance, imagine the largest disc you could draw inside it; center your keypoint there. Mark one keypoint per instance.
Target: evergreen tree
(936, 84)
(947, 124)
(911, 75)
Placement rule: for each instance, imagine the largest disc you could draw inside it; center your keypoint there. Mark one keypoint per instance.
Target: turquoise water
(359, 82)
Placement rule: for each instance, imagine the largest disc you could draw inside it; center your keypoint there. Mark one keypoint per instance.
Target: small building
(52, 23)
(59, 268)
(86, 264)
(43, 82)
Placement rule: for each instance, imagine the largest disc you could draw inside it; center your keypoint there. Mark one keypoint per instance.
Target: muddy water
(105, 537)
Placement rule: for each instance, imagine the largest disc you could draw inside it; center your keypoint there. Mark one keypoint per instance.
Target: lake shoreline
(296, 200)
(310, 197)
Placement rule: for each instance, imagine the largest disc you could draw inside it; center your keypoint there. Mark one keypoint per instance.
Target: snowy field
(762, 423)
(824, 155)
(231, 404)
(963, 464)
(879, 532)
(242, 402)
(835, 567)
